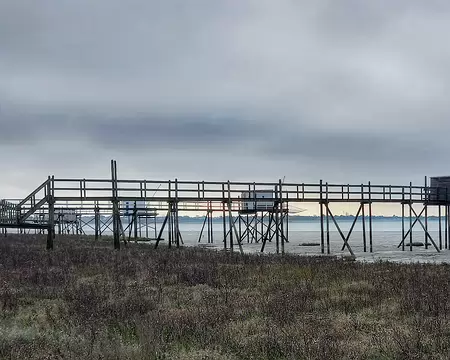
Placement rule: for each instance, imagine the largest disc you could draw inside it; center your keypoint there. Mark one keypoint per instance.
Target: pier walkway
(259, 208)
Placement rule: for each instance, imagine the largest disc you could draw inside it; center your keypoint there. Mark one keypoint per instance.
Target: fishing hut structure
(140, 219)
(260, 218)
(137, 220)
(8, 214)
(256, 217)
(250, 212)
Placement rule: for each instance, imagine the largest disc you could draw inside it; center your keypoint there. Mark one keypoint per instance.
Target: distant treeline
(298, 218)
(196, 219)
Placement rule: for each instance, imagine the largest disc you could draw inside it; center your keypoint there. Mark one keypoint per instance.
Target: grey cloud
(372, 149)
(329, 89)
(166, 131)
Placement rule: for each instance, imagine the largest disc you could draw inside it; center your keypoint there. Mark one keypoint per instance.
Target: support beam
(344, 238)
(203, 228)
(425, 229)
(234, 228)
(410, 227)
(266, 235)
(161, 231)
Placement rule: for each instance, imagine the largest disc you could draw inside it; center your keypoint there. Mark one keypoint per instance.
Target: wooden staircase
(33, 202)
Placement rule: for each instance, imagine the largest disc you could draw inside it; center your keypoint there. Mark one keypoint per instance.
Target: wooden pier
(246, 215)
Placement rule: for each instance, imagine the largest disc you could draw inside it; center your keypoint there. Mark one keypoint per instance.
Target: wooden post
(212, 221)
(239, 227)
(328, 228)
(171, 226)
(51, 213)
(440, 227)
(176, 223)
(119, 221)
(410, 218)
(281, 227)
(277, 220)
(97, 221)
(230, 217)
(262, 225)
(322, 234)
(447, 224)
(426, 214)
(135, 223)
(403, 219)
(370, 220)
(363, 218)
(116, 213)
(170, 219)
(287, 225)
(114, 223)
(249, 228)
(60, 220)
(327, 219)
(208, 222)
(224, 219)
(211, 213)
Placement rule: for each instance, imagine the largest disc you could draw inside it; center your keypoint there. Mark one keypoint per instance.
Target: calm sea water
(387, 235)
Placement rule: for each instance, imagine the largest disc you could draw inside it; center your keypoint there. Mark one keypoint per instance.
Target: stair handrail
(29, 197)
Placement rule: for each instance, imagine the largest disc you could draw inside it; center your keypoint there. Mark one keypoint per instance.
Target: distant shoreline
(302, 218)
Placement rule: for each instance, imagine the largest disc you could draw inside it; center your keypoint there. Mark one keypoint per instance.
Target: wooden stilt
(281, 226)
(370, 220)
(322, 233)
(51, 214)
(403, 226)
(363, 219)
(440, 227)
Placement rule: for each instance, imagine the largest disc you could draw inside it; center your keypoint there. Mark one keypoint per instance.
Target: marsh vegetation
(86, 301)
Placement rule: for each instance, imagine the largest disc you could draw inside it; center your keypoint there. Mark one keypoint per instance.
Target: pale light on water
(387, 235)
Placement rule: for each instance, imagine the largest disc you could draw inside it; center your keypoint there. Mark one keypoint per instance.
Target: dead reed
(86, 301)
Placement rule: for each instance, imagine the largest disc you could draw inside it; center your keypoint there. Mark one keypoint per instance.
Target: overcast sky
(341, 90)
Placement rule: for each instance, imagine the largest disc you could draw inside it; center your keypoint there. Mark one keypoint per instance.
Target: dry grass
(86, 301)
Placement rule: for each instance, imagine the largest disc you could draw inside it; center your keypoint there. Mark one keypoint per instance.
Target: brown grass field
(84, 300)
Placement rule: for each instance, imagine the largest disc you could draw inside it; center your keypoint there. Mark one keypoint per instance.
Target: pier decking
(242, 211)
